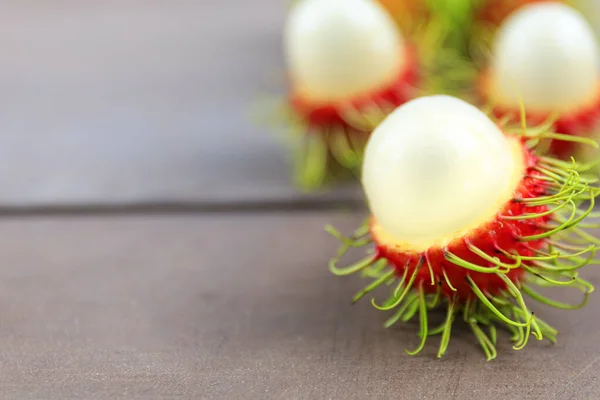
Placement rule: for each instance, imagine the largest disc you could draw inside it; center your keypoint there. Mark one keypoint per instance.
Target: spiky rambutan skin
(394, 94)
(495, 238)
(536, 239)
(333, 135)
(580, 121)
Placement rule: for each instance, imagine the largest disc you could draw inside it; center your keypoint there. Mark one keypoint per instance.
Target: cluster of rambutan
(351, 62)
(471, 211)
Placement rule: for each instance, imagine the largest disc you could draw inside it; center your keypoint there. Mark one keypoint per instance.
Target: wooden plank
(237, 307)
(124, 102)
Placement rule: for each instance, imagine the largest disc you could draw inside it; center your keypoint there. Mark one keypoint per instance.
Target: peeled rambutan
(546, 55)
(466, 215)
(348, 66)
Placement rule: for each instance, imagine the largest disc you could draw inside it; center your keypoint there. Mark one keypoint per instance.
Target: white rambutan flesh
(435, 167)
(337, 49)
(547, 54)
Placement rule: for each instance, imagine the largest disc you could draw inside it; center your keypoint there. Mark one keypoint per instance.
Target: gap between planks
(272, 206)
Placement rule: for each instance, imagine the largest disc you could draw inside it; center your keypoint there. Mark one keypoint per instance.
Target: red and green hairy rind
(583, 121)
(327, 141)
(490, 247)
(537, 239)
(333, 136)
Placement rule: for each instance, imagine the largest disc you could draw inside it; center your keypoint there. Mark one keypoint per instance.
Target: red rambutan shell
(581, 121)
(398, 92)
(496, 238)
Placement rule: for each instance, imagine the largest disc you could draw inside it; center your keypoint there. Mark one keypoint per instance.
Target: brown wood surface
(238, 306)
(133, 102)
(140, 101)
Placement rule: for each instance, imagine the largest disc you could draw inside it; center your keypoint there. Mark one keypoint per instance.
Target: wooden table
(152, 247)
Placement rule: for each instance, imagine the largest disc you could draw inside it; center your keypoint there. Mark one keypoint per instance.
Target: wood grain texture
(131, 101)
(238, 307)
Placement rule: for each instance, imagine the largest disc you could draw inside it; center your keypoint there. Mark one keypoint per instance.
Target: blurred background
(142, 102)
(146, 105)
(138, 102)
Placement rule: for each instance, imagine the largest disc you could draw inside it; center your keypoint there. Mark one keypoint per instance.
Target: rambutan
(407, 13)
(546, 55)
(467, 216)
(349, 65)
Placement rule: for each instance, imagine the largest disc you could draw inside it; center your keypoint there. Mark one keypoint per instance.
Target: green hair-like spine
(569, 247)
